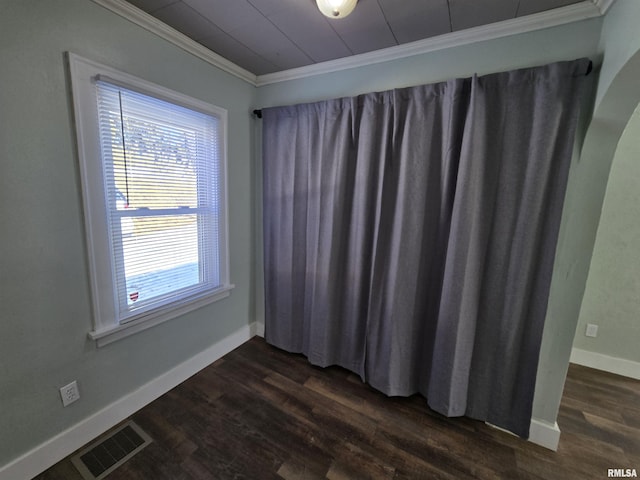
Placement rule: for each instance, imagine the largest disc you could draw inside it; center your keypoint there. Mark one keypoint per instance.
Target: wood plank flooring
(260, 413)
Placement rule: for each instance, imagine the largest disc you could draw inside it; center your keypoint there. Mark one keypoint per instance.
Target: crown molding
(155, 26)
(603, 5)
(560, 16)
(551, 18)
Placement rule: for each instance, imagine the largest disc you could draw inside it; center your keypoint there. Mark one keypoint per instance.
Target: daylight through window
(161, 183)
(160, 188)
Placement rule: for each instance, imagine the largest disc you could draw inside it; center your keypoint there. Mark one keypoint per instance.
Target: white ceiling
(266, 36)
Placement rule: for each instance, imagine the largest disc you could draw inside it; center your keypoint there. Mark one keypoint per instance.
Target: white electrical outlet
(69, 393)
(592, 330)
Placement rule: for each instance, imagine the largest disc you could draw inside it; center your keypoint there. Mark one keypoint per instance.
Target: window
(153, 169)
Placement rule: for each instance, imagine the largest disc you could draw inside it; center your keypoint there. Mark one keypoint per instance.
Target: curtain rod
(258, 112)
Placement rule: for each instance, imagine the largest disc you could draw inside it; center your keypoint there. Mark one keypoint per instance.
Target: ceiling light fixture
(336, 8)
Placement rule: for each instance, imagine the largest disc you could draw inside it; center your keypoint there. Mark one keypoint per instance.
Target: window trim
(106, 327)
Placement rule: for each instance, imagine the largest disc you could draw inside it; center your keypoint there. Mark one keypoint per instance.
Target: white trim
(62, 445)
(545, 434)
(603, 5)
(155, 26)
(599, 361)
(541, 433)
(111, 334)
(55, 449)
(501, 429)
(109, 323)
(551, 18)
(259, 329)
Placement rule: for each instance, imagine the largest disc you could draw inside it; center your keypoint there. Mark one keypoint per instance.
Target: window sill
(111, 334)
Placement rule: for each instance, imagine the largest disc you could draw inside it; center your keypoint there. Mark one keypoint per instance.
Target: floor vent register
(108, 452)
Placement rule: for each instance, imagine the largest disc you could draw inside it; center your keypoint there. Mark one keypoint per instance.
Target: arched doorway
(585, 195)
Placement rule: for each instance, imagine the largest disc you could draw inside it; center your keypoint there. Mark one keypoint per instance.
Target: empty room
(306, 239)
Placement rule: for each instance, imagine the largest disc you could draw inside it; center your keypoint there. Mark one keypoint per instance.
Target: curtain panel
(410, 235)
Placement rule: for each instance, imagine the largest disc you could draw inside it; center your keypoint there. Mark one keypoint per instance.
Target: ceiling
(266, 36)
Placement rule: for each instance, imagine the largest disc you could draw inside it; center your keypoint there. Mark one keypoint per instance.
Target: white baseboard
(619, 366)
(259, 330)
(545, 434)
(55, 449)
(540, 432)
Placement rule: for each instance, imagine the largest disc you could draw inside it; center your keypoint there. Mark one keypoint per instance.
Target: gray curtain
(410, 235)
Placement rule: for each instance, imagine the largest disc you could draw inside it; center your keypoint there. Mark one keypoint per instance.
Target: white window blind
(153, 174)
(161, 171)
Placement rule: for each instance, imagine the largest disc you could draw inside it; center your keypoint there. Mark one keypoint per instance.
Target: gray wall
(620, 40)
(612, 295)
(535, 48)
(566, 42)
(44, 292)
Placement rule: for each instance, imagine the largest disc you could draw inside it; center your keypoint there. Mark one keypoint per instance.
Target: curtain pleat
(409, 235)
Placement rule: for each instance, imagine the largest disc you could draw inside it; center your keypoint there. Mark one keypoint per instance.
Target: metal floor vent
(107, 453)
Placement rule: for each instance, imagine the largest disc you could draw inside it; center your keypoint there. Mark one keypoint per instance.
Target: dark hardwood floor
(260, 413)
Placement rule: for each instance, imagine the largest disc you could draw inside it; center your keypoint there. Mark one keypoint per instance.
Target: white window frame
(106, 325)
